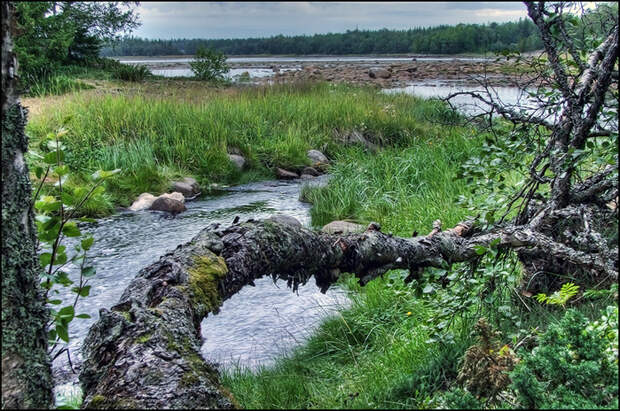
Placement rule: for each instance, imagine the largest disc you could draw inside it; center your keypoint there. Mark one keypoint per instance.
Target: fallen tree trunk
(145, 351)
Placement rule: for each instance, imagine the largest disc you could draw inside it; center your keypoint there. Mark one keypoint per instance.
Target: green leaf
(63, 332)
(45, 259)
(89, 271)
(83, 292)
(55, 302)
(61, 170)
(66, 314)
(70, 229)
(47, 203)
(480, 249)
(87, 243)
(38, 171)
(63, 279)
(82, 316)
(54, 157)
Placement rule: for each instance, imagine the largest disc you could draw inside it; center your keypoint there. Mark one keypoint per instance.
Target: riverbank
(380, 71)
(165, 129)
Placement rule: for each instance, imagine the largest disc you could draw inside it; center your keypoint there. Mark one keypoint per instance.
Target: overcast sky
(212, 20)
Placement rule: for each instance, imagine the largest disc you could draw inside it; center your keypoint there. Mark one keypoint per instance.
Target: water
(280, 59)
(255, 326)
(232, 74)
(511, 96)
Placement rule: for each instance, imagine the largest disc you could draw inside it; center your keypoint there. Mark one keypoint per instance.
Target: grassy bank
(160, 130)
(402, 345)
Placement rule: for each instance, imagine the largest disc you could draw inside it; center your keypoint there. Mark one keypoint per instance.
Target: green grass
(372, 355)
(190, 131)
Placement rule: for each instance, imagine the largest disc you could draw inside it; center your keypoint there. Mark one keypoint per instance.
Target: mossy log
(145, 351)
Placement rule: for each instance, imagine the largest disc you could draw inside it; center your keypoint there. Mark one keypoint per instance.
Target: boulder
(307, 177)
(143, 202)
(168, 204)
(377, 72)
(316, 157)
(342, 227)
(237, 160)
(188, 187)
(285, 175)
(175, 196)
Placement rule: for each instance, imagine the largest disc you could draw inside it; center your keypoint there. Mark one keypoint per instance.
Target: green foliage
(560, 297)
(575, 365)
(131, 72)
(463, 38)
(155, 139)
(209, 65)
(55, 85)
(53, 34)
(55, 219)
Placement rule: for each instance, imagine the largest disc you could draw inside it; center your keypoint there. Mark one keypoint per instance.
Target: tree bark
(145, 351)
(26, 370)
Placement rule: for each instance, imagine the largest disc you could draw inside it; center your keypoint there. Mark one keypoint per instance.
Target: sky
(211, 20)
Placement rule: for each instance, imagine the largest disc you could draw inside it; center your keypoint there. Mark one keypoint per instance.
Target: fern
(560, 297)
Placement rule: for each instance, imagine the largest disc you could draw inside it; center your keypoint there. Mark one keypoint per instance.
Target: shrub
(574, 366)
(130, 72)
(209, 65)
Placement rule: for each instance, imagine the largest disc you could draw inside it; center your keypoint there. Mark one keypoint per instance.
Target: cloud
(264, 19)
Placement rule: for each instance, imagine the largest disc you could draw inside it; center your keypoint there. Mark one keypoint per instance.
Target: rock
(316, 157)
(285, 175)
(355, 137)
(285, 219)
(310, 171)
(237, 160)
(143, 202)
(183, 188)
(175, 196)
(377, 72)
(307, 177)
(342, 227)
(168, 204)
(188, 187)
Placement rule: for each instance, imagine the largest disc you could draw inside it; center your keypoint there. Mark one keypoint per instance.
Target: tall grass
(194, 129)
(56, 84)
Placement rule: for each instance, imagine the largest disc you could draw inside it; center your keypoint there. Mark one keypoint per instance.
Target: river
(244, 333)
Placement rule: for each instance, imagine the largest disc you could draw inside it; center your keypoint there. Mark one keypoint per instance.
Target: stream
(253, 328)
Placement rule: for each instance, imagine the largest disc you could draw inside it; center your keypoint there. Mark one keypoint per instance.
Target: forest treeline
(462, 38)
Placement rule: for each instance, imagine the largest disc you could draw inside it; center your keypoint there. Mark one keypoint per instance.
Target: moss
(204, 276)
(97, 400)
(144, 338)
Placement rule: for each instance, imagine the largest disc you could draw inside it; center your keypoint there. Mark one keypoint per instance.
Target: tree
(209, 65)
(569, 133)
(26, 370)
(56, 33)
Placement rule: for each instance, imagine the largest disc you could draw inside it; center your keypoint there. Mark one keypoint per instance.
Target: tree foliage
(463, 38)
(56, 33)
(209, 65)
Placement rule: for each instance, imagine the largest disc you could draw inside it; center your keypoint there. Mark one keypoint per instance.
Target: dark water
(254, 327)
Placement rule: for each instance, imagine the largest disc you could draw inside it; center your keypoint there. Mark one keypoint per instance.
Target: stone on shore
(285, 174)
(316, 157)
(168, 204)
(188, 187)
(237, 160)
(143, 202)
